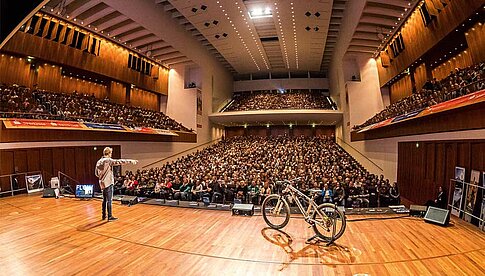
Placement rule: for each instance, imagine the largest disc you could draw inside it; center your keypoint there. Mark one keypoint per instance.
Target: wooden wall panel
(421, 170)
(33, 160)
(69, 85)
(328, 131)
(14, 70)
(418, 38)
(475, 39)
(462, 60)
(49, 78)
(46, 160)
(111, 62)
(7, 167)
(20, 161)
(233, 132)
(420, 76)
(58, 159)
(400, 89)
(70, 162)
(280, 131)
(144, 99)
(117, 93)
(257, 131)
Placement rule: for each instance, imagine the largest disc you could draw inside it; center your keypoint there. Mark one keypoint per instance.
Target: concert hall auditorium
(242, 137)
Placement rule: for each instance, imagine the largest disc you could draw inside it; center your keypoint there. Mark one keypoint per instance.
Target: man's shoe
(103, 217)
(112, 218)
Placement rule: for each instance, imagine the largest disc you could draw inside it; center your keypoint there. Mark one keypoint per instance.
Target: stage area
(46, 236)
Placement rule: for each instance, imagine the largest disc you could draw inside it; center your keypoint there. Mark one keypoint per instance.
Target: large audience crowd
(22, 102)
(460, 82)
(274, 99)
(248, 169)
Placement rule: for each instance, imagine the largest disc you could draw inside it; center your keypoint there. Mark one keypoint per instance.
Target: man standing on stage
(104, 171)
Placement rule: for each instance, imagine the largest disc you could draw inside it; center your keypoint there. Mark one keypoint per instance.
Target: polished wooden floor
(67, 237)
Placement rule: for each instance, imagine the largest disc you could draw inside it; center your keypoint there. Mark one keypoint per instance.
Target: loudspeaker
(243, 209)
(50, 192)
(129, 200)
(437, 216)
(417, 210)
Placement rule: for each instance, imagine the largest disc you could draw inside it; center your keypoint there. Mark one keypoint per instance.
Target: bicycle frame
(296, 195)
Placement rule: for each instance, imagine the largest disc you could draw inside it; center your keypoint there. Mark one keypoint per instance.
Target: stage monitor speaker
(243, 209)
(437, 216)
(417, 210)
(50, 192)
(129, 200)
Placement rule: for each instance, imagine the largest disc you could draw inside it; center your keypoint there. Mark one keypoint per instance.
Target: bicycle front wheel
(330, 222)
(276, 212)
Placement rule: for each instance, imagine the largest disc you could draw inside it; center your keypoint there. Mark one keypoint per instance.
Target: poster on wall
(471, 195)
(482, 209)
(199, 102)
(458, 190)
(34, 183)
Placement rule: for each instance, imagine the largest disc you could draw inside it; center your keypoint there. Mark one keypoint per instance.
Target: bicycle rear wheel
(329, 216)
(276, 212)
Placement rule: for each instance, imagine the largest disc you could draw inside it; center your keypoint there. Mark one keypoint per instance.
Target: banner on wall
(104, 126)
(69, 125)
(471, 195)
(199, 102)
(41, 124)
(458, 191)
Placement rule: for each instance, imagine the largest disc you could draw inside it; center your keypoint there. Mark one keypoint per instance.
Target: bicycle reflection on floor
(326, 255)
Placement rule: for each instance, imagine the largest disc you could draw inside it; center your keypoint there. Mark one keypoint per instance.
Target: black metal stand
(318, 240)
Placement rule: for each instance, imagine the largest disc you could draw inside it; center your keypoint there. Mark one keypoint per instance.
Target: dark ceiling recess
(224, 35)
(207, 24)
(317, 14)
(308, 13)
(215, 22)
(269, 38)
(194, 10)
(12, 13)
(203, 7)
(217, 36)
(308, 28)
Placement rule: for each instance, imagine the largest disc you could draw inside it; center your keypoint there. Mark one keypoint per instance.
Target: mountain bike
(327, 220)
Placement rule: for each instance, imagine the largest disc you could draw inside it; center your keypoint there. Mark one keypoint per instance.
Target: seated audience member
(241, 191)
(394, 195)
(217, 191)
(253, 193)
(339, 195)
(199, 190)
(440, 201)
(384, 195)
(327, 194)
(265, 190)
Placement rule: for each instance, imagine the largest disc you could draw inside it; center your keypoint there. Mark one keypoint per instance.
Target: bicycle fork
(278, 207)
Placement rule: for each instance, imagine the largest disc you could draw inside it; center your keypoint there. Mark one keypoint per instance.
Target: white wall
(273, 84)
(181, 103)
(365, 98)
